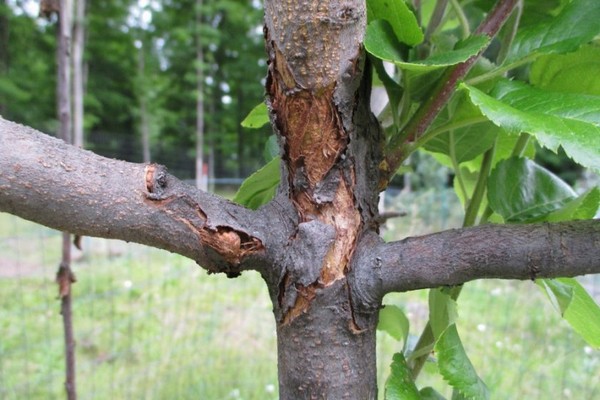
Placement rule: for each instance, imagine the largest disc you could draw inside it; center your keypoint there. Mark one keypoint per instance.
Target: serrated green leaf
(582, 207)
(399, 16)
(442, 311)
(521, 190)
(455, 366)
(257, 118)
(393, 321)
(400, 384)
(429, 393)
(554, 119)
(577, 72)
(576, 24)
(260, 187)
(576, 306)
(381, 42)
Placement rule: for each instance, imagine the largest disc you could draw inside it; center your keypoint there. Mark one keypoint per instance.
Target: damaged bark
(60, 186)
(320, 115)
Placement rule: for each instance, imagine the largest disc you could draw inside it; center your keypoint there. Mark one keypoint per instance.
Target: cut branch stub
(230, 244)
(315, 66)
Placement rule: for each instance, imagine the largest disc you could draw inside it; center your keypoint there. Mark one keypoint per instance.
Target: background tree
(316, 243)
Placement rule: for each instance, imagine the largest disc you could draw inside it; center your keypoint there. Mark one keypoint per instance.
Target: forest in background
(141, 71)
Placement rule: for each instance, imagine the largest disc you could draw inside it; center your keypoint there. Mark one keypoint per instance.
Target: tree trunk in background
(4, 35)
(144, 126)
(64, 276)
(63, 88)
(78, 80)
(201, 176)
(240, 135)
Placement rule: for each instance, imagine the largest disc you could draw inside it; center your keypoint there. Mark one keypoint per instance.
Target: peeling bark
(328, 138)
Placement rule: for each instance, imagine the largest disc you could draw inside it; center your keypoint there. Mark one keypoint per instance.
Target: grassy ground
(153, 325)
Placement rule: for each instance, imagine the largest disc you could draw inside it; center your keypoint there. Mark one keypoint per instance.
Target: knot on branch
(156, 181)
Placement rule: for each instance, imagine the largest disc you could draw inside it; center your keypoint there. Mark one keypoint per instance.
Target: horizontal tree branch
(453, 257)
(44, 180)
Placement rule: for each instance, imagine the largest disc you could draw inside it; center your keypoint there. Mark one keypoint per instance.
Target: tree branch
(44, 180)
(457, 256)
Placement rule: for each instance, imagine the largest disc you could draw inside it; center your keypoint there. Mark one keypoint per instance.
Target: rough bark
(60, 186)
(457, 256)
(330, 152)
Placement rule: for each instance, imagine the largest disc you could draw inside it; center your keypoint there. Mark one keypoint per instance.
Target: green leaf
(576, 306)
(429, 393)
(442, 311)
(576, 72)
(399, 16)
(393, 321)
(271, 148)
(555, 119)
(260, 187)
(455, 366)
(582, 207)
(381, 42)
(577, 24)
(465, 143)
(257, 118)
(400, 385)
(393, 89)
(520, 190)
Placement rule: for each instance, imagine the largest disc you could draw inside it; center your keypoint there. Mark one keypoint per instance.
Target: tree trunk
(330, 153)
(201, 178)
(322, 354)
(64, 276)
(4, 54)
(78, 81)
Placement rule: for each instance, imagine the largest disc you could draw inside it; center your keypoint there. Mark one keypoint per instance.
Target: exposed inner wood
(315, 152)
(232, 244)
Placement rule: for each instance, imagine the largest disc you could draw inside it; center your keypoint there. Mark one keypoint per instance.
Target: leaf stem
(462, 18)
(436, 18)
(516, 152)
(500, 70)
(457, 172)
(445, 128)
(480, 188)
(512, 26)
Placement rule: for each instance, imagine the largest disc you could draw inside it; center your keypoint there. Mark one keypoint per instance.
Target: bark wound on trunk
(307, 63)
(316, 63)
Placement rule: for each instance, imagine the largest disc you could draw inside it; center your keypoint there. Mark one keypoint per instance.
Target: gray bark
(78, 81)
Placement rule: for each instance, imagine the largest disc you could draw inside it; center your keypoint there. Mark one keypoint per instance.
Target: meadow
(153, 325)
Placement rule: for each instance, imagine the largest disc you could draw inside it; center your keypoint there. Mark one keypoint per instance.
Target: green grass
(153, 325)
